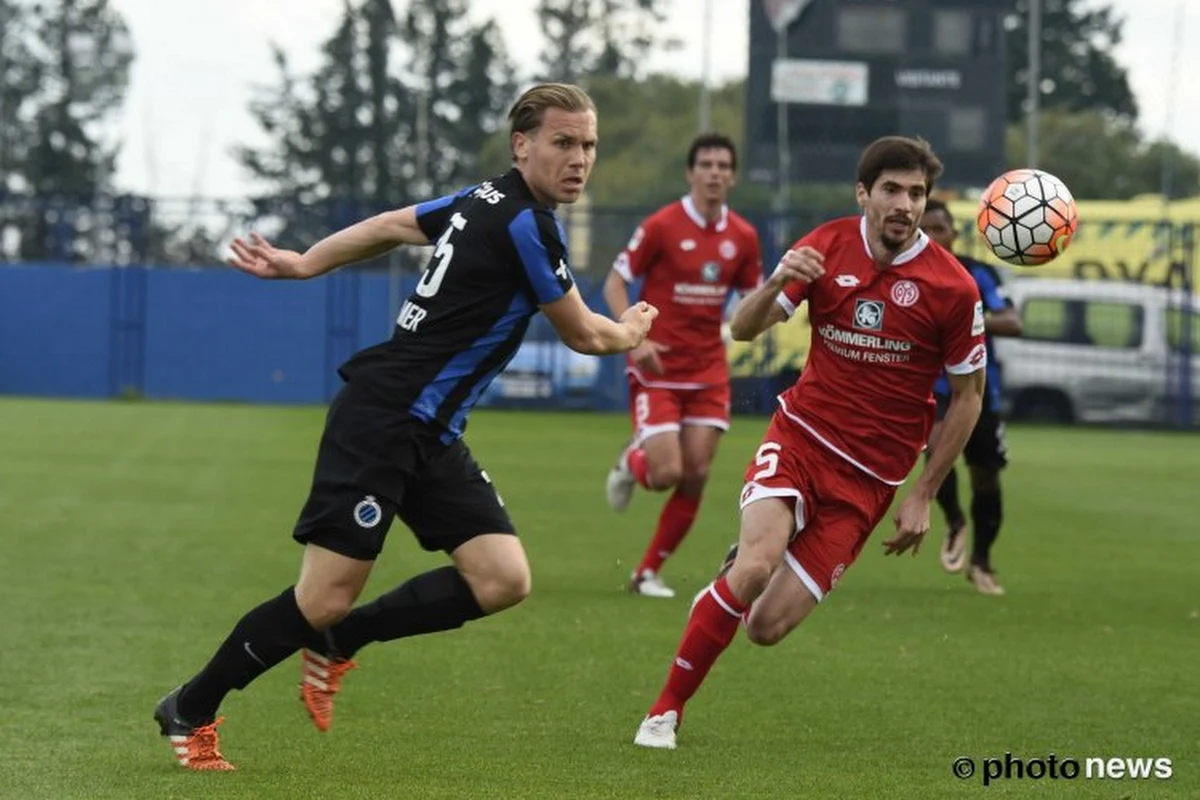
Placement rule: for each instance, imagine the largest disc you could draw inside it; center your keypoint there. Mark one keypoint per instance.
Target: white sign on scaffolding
(812, 82)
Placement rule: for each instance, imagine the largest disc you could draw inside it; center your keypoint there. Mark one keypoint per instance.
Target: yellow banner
(1138, 240)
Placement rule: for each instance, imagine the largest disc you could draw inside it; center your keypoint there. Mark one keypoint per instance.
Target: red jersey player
(889, 309)
(690, 255)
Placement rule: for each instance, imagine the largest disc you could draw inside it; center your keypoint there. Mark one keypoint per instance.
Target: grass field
(134, 535)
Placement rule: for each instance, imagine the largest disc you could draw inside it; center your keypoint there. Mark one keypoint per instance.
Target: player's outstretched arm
(912, 517)
(755, 313)
(367, 239)
(585, 331)
(758, 311)
(616, 293)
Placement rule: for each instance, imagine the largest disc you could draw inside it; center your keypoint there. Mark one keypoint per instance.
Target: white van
(1101, 351)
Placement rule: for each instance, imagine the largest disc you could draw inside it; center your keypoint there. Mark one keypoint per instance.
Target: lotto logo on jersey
(868, 315)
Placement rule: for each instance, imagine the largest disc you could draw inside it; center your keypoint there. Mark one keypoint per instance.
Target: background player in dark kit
(986, 452)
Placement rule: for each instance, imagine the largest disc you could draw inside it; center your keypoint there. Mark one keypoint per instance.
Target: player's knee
(749, 576)
(504, 588)
(516, 587)
(665, 475)
(985, 481)
(765, 632)
(693, 480)
(326, 607)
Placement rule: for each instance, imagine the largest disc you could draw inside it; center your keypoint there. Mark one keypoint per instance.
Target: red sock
(635, 459)
(673, 525)
(710, 628)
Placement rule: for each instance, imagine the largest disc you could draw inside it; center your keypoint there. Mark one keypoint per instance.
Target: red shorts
(836, 504)
(659, 410)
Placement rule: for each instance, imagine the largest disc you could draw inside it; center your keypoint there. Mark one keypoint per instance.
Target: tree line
(408, 100)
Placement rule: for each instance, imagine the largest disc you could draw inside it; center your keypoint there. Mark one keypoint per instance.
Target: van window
(1095, 324)
(1175, 339)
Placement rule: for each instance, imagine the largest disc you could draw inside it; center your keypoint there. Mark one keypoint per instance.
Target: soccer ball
(1027, 217)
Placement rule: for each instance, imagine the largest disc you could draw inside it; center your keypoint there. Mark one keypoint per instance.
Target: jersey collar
(689, 208)
(914, 250)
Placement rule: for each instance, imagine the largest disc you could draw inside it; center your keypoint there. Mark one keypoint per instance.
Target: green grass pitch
(134, 535)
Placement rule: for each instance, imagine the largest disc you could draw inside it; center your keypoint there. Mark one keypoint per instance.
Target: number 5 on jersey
(431, 281)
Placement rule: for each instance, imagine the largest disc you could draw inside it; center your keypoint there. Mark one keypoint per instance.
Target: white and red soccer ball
(1027, 217)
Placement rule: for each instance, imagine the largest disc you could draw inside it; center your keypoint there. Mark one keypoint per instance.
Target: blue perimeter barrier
(213, 334)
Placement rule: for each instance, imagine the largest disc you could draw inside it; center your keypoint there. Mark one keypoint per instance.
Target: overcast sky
(197, 63)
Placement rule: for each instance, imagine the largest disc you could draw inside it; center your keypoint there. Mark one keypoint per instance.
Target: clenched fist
(638, 318)
(802, 264)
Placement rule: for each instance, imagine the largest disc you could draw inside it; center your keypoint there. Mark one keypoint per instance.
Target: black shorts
(985, 448)
(375, 463)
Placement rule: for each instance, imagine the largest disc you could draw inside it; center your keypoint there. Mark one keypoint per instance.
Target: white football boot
(954, 549)
(619, 486)
(648, 584)
(658, 731)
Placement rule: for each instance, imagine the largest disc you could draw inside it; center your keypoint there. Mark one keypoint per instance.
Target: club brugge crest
(868, 314)
(368, 513)
(710, 272)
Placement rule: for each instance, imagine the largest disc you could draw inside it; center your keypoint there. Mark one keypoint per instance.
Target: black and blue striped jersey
(498, 254)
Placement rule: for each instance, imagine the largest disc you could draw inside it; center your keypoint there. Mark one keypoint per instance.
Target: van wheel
(1043, 406)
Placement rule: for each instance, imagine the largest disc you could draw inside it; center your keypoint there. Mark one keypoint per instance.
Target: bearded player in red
(889, 310)
(689, 255)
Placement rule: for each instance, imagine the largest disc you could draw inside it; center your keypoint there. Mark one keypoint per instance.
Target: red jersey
(689, 266)
(880, 338)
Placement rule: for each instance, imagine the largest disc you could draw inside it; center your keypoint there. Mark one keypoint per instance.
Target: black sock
(986, 516)
(438, 600)
(947, 498)
(265, 636)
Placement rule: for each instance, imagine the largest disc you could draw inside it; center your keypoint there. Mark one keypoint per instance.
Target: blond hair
(527, 113)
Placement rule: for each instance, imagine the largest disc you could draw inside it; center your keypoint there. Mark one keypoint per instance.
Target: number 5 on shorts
(767, 457)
